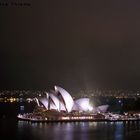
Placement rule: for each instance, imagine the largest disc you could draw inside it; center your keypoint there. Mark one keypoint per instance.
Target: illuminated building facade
(61, 100)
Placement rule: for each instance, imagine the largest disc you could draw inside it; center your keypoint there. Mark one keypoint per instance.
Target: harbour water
(21, 130)
(11, 128)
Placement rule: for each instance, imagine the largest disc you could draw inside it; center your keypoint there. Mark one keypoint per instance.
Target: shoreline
(34, 120)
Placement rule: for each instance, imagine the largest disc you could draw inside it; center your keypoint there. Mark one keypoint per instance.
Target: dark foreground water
(11, 129)
(19, 130)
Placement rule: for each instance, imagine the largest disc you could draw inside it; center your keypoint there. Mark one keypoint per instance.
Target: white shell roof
(103, 108)
(62, 107)
(67, 99)
(82, 104)
(44, 101)
(55, 100)
(64, 101)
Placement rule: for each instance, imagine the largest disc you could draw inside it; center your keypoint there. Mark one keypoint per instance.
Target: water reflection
(76, 130)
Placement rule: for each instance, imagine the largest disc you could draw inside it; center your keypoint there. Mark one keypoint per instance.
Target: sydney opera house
(58, 105)
(60, 100)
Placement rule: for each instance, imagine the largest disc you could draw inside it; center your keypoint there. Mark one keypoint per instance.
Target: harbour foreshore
(107, 118)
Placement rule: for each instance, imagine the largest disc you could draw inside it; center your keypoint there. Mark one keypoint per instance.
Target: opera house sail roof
(65, 97)
(61, 100)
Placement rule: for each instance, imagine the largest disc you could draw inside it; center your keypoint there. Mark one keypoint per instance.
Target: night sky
(75, 44)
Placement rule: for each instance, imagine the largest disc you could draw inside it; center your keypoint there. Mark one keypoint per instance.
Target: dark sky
(72, 43)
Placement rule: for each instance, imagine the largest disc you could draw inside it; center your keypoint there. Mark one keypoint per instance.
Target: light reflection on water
(76, 130)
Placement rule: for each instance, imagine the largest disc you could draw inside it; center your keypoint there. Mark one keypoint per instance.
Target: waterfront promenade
(113, 118)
